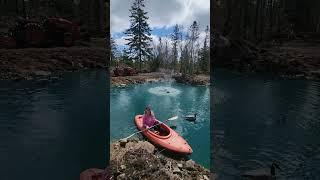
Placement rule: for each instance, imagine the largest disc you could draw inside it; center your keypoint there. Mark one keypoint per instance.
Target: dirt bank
(291, 59)
(200, 79)
(31, 62)
(294, 59)
(136, 159)
(139, 79)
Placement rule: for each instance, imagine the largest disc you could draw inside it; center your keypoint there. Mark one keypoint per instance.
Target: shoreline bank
(141, 78)
(30, 63)
(295, 59)
(198, 80)
(123, 81)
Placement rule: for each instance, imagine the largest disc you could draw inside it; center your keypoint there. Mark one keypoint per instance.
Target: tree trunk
(262, 14)
(24, 9)
(140, 60)
(17, 7)
(257, 20)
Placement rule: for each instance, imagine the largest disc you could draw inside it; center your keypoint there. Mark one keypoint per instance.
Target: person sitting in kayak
(149, 119)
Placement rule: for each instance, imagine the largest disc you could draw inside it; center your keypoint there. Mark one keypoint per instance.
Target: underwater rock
(94, 174)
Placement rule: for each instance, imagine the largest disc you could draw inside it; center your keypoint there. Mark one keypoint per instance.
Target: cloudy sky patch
(163, 15)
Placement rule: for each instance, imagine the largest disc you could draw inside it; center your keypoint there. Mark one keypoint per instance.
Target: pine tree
(185, 58)
(193, 37)
(175, 37)
(126, 58)
(160, 51)
(113, 50)
(139, 32)
(166, 58)
(204, 53)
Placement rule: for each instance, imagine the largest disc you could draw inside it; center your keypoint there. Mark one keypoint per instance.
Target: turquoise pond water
(53, 130)
(260, 119)
(181, 100)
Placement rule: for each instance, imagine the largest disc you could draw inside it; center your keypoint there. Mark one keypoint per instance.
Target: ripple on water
(164, 91)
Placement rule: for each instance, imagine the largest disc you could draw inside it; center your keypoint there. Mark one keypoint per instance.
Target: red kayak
(167, 138)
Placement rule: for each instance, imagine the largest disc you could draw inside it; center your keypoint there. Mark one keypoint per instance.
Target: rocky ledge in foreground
(123, 81)
(135, 159)
(193, 79)
(33, 62)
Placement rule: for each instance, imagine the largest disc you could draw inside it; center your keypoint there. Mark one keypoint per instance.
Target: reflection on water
(53, 130)
(264, 120)
(182, 100)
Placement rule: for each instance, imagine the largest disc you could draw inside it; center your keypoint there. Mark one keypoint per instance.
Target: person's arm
(152, 114)
(154, 119)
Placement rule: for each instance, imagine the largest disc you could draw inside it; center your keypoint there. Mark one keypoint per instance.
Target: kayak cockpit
(163, 132)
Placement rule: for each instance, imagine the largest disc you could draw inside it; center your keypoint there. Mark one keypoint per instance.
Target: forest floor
(29, 63)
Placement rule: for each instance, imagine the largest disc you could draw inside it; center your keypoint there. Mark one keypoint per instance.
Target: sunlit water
(260, 119)
(53, 130)
(167, 100)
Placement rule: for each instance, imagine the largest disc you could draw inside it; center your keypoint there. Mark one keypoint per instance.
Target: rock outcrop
(136, 159)
(192, 79)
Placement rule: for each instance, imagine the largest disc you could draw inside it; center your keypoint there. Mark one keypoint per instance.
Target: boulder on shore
(124, 71)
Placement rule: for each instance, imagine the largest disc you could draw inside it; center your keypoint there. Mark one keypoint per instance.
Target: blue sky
(163, 15)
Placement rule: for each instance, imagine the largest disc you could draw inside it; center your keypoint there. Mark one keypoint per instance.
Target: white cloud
(162, 13)
(121, 41)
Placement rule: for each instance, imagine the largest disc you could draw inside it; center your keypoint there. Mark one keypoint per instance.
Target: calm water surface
(53, 130)
(259, 120)
(182, 99)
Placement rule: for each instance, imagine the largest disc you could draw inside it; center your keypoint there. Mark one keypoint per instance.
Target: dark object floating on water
(167, 91)
(262, 174)
(191, 117)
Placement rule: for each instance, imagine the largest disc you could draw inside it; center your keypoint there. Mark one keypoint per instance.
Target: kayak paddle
(170, 119)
